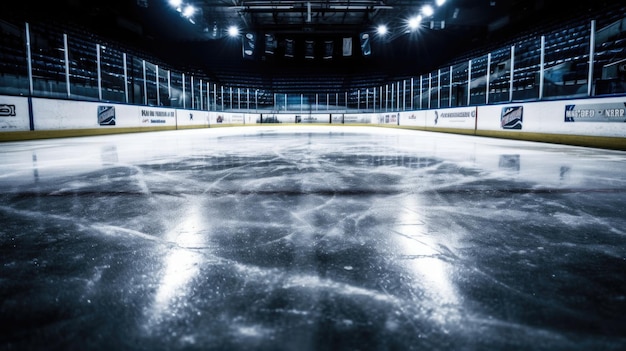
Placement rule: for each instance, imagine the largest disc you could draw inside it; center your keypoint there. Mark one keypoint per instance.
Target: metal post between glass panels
(66, 57)
(439, 88)
(99, 75)
(469, 81)
(421, 82)
(542, 52)
(183, 96)
(411, 94)
(488, 74)
(158, 88)
(398, 96)
(511, 72)
(450, 89)
(429, 88)
(392, 95)
(592, 45)
(29, 60)
(201, 96)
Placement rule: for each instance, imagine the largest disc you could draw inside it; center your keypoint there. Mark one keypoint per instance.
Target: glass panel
(500, 75)
(444, 90)
(151, 84)
(423, 92)
(48, 62)
(609, 71)
(478, 84)
(112, 75)
(434, 89)
(13, 59)
(176, 89)
(135, 80)
(164, 88)
(526, 70)
(83, 69)
(566, 67)
(459, 84)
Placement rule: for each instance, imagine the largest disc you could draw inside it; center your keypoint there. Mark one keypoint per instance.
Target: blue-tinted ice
(311, 238)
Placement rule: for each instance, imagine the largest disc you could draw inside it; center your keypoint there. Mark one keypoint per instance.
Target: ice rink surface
(311, 238)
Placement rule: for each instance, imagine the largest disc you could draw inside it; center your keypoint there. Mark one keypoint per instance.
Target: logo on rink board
(608, 112)
(512, 117)
(106, 115)
(7, 110)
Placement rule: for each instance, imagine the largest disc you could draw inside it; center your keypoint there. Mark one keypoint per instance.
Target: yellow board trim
(613, 143)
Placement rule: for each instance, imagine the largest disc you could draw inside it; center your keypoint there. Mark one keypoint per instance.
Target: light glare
(176, 3)
(415, 22)
(233, 31)
(189, 11)
(427, 10)
(382, 29)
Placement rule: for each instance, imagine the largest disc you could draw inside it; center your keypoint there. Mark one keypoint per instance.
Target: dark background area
(154, 27)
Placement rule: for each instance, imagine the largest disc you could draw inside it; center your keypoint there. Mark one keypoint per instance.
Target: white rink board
(14, 114)
(387, 118)
(59, 115)
(192, 118)
(413, 118)
(313, 118)
(597, 117)
(49, 114)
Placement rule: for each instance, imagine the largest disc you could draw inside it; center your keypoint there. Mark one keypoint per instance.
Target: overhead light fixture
(427, 10)
(233, 31)
(414, 22)
(176, 3)
(189, 11)
(440, 2)
(382, 29)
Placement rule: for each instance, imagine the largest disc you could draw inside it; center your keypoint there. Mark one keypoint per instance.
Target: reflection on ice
(426, 259)
(181, 265)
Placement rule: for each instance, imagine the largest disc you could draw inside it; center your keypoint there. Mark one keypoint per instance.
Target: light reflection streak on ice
(181, 265)
(422, 258)
(305, 281)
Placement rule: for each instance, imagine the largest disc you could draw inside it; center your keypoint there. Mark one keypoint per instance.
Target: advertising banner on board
(388, 118)
(14, 114)
(599, 112)
(192, 118)
(460, 118)
(597, 116)
(157, 116)
(106, 115)
(312, 118)
(413, 118)
(357, 118)
(512, 117)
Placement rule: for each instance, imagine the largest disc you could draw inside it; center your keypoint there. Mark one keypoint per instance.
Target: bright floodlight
(414, 22)
(176, 3)
(382, 29)
(189, 11)
(427, 10)
(440, 2)
(233, 31)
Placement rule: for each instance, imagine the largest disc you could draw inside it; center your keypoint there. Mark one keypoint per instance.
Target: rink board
(594, 122)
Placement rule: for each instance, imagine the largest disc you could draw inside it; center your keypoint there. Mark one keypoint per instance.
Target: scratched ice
(311, 238)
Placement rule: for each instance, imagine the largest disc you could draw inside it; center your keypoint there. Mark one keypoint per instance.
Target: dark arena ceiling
(454, 28)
